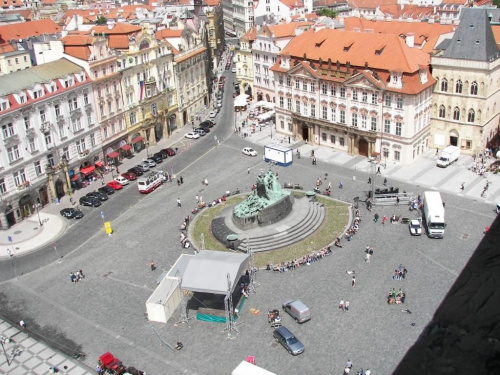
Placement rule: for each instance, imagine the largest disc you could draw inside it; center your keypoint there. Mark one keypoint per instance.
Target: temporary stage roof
(207, 271)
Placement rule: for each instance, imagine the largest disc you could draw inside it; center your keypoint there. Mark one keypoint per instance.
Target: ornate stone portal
(267, 205)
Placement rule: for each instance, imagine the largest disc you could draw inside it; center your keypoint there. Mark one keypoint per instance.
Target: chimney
(410, 40)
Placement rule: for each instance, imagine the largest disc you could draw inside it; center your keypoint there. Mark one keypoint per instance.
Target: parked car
(129, 176)
(146, 166)
(162, 154)
(143, 167)
(135, 170)
(106, 190)
(98, 195)
(205, 128)
(192, 135)
(156, 159)
(151, 162)
(122, 180)
(169, 151)
(200, 132)
(209, 123)
(297, 310)
(90, 202)
(288, 340)
(233, 70)
(219, 103)
(213, 114)
(115, 185)
(71, 213)
(415, 227)
(249, 151)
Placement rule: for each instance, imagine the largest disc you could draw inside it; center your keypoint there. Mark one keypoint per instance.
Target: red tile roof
(117, 29)
(25, 29)
(292, 4)
(9, 4)
(168, 33)
(422, 30)
(370, 4)
(287, 29)
(212, 3)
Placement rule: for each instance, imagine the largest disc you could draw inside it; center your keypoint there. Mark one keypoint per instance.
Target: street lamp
(36, 206)
(147, 149)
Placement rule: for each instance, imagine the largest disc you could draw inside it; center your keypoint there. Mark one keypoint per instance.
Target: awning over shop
(126, 147)
(113, 155)
(137, 139)
(240, 100)
(87, 170)
(99, 164)
(75, 177)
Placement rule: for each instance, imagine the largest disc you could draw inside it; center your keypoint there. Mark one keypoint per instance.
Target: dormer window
(395, 80)
(422, 72)
(37, 93)
(4, 105)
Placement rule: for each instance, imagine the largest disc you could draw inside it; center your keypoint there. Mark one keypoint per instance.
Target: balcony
(60, 120)
(83, 153)
(23, 186)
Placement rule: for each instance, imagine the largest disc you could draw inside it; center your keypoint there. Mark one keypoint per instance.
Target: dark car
(210, 123)
(88, 201)
(206, 129)
(129, 176)
(136, 170)
(162, 154)
(169, 151)
(98, 195)
(156, 158)
(71, 213)
(106, 190)
(288, 340)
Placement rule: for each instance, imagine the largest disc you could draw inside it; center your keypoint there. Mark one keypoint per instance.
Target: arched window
(442, 111)
(471, 116)
(458, 87)
(473, 88)
(456, 113)
(444, 85)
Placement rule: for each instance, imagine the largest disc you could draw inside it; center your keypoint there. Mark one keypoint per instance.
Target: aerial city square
(249, 187)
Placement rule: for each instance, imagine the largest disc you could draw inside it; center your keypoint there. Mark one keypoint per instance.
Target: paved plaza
(105, 311)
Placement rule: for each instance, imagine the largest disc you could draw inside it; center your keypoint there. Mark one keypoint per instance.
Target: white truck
(278, 154)
(448, 156)
(434, 214)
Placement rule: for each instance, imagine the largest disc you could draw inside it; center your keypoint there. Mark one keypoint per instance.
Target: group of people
(185, 223)
(394, 297)
(184, 240)
(344, 306)
(307, 260)
(399, 273)
(354, 227)
(348, 368)
(479, 167)
(76, 276)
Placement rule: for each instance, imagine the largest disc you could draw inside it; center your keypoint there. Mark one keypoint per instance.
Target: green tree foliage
(332, 14)
(101, 20)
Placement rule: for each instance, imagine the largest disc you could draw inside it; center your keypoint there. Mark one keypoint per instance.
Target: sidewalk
(29, 235)
(27, 355)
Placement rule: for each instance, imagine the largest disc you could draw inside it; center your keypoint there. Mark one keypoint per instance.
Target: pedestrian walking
(384, 219)
(71, 201)
(346, 305)
(385, 181)
(397, 201)
(197, 199)
(117, 170)
(152, 265)
(81, 274)
(378, 170)
(367, 259)
(369, 180)
(248, 170)
(314, 161)
(353, 280)
(341, 305)
(329, 185)
(463, 186)
(102, 180)
(182, 179)
(375, 217)
(178, 202)
(437, 150)
(348, 364)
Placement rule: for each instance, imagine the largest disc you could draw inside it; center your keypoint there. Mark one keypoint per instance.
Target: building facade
(49, 134)
(363, 94)
(466, 96)
(244, 62)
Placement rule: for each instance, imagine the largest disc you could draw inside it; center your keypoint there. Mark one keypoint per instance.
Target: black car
(206, 128)
(98, 195)
(208, 123)
(71, 213)
(88, 201)
(156, 158)
(106, 190)
(136, 170)
(162, 154)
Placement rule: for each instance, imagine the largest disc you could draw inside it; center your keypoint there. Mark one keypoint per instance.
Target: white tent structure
(263, 104)
(245, 368)
(168, 295)
(266, 116)
(207, 271)
(241, 100)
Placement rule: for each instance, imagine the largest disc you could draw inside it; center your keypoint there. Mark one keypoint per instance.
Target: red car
(129, 176)
(169, 151)
(115, 185)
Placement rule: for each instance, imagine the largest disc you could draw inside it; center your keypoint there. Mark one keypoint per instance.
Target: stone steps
(302, 229)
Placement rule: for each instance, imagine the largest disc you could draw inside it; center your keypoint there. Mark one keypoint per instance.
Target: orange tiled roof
(7, 4)
(409, 11)
(191, 54)
(80, 52)
(168, 33)
(212, 3)
(292, 4)
(7, 47)
(496, 33)
(80, 39)
(380, 51)
(25, 29)
(119, 41)
(132, 8)
(370, 4)
(118, 28)
(422, 30)
(287, 29)
(251, 34)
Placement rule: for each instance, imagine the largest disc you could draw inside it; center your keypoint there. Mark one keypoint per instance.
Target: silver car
(288, 340)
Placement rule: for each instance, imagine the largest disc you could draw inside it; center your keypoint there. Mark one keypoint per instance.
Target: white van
(297, 310)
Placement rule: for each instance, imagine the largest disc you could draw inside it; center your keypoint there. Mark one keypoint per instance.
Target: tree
(331, 13)
(101, 20)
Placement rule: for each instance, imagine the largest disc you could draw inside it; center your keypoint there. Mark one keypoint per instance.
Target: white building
(49, 133)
